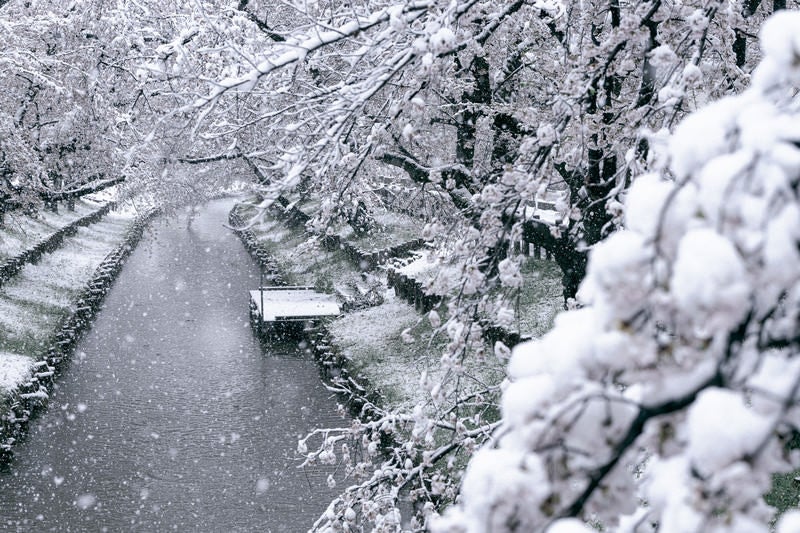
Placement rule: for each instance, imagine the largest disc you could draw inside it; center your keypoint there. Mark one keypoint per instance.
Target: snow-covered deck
(290, 304)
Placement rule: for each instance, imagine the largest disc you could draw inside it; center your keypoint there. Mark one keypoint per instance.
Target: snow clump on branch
(678, 381)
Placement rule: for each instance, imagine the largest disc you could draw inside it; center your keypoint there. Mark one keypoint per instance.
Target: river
(170, 416)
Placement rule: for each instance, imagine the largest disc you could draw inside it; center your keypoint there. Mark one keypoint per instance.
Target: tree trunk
(573, 269)
(740, 43)
(480, 95)
(569, 259)
(507, 131)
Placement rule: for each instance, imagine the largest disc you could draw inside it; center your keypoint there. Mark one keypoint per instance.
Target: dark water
(170, 416)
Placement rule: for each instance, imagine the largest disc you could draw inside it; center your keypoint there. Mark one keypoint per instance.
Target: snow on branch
(295, 51)
(663, 403)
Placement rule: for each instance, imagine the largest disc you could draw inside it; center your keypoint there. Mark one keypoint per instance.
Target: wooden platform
(273, 305)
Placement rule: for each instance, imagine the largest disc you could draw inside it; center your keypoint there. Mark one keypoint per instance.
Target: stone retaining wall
(254, 248)
(363, 400)
(361, 259)
(369, 260)
(412, 291)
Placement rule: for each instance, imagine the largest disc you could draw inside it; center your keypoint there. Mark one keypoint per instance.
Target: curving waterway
(170, 416)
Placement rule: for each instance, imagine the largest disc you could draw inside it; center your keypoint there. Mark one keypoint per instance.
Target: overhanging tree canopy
(484, 108)
(665, 404)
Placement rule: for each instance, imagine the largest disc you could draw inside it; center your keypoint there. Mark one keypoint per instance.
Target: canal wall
(30, 397)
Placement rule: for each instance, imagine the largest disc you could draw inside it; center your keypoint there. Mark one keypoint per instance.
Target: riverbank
(381, 350)
(47, 304)
(384, 359)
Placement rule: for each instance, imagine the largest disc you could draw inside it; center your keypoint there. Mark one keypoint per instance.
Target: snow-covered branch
(675, 306)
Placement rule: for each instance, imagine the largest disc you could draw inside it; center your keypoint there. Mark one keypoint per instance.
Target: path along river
(170, 415)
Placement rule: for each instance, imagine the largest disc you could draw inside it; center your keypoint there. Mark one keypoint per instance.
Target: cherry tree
(176, 55)
(58, 144)
(666, 402)
(86, 88)
(488, 106)
(431, 91)
(484, 108)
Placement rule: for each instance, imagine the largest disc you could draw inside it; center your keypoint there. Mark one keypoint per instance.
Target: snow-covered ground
(14, 369)
(540, 298)
(372, 340)
(20, 232)
(34, 301)
(396, 351)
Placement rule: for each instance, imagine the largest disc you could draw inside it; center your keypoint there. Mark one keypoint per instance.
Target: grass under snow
(20, 232)
(33, 303)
